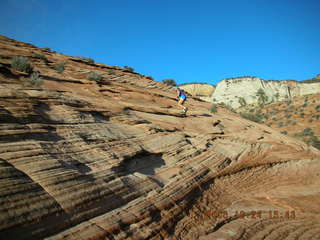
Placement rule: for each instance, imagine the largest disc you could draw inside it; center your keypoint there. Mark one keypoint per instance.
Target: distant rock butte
(230, 90)
(199, 90)
(114, 159)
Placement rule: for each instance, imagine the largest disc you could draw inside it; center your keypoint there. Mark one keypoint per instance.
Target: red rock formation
(114, 159)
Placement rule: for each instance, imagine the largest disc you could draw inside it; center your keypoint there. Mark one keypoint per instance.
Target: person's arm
(178, 93)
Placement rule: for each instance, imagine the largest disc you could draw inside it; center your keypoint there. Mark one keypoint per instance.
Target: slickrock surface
(114, 159)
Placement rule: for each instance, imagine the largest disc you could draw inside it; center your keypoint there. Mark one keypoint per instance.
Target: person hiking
(182, 97)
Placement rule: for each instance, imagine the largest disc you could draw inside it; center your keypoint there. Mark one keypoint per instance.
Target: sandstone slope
(114, 159)
(298, 118)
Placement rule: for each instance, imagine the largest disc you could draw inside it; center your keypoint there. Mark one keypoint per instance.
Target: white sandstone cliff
(230, 90)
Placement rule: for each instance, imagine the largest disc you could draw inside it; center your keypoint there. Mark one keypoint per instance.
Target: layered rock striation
(115, 159)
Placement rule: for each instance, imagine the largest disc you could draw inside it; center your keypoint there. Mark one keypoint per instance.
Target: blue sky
(189, 41)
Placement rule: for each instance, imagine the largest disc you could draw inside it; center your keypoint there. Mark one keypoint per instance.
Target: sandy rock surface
(115, 159)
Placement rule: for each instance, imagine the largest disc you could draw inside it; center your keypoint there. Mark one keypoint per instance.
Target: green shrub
(93, 76)
(314, 141)
(213, 108)
(253, 117)
(47, 49)
(85, 60)
(308, 136)
(307, 132)
(36, 80)
(252, 110)
(111, 71)
(41, 56)
(227, 106)
(129, 69)
(170, 82)
(21, 64)
(38, 55)
(304, 105)
(242, 101)
(262, 97)
(59, 67)
(313, 80)
(318, 108)
(284, 132)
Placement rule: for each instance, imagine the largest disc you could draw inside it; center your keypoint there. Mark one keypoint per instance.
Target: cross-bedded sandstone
(115, 159)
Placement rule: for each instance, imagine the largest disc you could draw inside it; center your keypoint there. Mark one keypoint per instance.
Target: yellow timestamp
(254, 214)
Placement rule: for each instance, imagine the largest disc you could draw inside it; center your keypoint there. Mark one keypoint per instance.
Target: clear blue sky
(187, 40)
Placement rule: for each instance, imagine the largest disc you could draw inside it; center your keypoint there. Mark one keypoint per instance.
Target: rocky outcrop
(115, 159)
(229, 91)
(199, 90)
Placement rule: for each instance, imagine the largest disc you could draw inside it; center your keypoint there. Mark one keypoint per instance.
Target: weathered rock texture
(114, 159)
(199, 90)
(230, 90)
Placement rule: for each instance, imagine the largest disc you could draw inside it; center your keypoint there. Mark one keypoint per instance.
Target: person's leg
(181, 102)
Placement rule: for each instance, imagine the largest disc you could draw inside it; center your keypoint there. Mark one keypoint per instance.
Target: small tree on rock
(170, 82)
(242, 101)
(213, 108)
(262, 97)
(129, 69)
